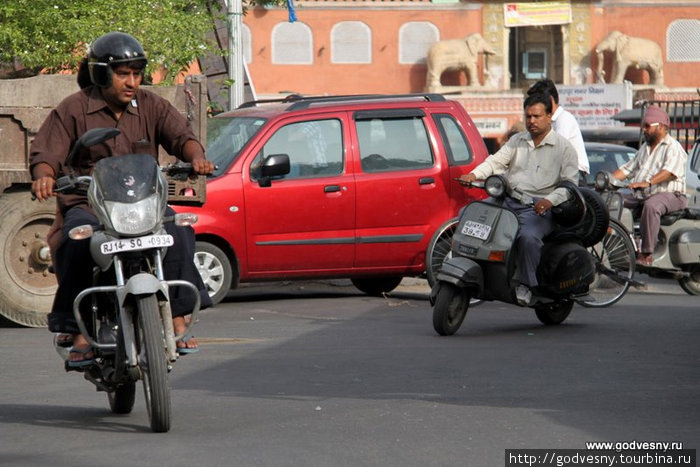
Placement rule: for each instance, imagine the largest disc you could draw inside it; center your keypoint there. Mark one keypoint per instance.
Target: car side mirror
(274, 165)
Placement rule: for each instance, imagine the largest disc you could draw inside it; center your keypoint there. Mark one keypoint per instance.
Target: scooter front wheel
(451, 305)
(152, 360)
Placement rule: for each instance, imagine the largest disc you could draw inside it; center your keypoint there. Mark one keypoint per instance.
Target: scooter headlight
(602, 179)
(495, 186)
(134, 218)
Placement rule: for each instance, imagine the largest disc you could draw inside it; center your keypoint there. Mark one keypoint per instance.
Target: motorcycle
(483, 260)
(126, 315)
(677, 252)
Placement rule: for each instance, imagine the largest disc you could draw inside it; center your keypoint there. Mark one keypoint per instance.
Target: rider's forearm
(42, 170)
(661, 177)
(192, 150)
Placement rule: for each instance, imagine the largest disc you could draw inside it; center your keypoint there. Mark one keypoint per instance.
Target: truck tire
(28, 287)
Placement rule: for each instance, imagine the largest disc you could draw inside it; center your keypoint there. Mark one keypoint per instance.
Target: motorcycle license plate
(135, 244)
(475, 229)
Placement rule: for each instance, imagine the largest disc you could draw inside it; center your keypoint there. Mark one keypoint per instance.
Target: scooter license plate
(135, 244)
(477, 230)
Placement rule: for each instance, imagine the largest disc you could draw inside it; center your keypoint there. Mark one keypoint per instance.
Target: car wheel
(376, 286)
(215, 268)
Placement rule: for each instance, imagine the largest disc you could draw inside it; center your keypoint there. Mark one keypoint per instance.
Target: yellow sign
(536, 13)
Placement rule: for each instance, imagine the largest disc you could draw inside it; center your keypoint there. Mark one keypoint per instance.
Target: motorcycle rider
(113, 98)
(534, 162)
(658, 167)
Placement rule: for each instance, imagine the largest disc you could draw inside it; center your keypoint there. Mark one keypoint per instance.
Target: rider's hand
(42, 188)
(202, 166)
(639, 185)
(542, 206)
(466, 179)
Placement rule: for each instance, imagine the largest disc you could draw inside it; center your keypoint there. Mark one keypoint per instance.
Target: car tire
(376, 286)
(215, 268)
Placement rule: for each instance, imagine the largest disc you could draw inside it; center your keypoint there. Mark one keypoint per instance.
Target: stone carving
(456, 55)
(630, 51)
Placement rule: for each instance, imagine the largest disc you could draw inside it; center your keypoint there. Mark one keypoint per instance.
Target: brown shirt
(149, 121)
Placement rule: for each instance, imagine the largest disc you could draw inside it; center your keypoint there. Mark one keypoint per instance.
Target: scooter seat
(687, 213)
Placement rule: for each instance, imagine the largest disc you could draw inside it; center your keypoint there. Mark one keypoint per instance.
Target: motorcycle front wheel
(615, 263)
(451, 305)
(153, 363)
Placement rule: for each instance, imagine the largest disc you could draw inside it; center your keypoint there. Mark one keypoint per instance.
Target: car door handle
(331, 188)
(426, 181)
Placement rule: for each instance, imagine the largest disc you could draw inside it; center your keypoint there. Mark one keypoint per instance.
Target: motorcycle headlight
(601, 181)
(495, 186)
(134, 218)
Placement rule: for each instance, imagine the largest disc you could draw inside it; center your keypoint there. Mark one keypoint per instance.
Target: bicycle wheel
(615, 261)
(439, 249)
(152, 360)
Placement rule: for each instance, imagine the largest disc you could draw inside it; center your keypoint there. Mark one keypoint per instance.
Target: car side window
(459, 152)
(314, 147)
(393, 144)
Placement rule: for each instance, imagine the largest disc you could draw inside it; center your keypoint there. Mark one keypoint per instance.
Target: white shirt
(667, 155)
(564, 123)
(535, 171)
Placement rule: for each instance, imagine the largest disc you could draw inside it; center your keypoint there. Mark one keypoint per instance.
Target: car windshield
(607, 160)
(226, 136)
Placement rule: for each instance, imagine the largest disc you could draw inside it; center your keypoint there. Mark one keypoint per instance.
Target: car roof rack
(304, 102)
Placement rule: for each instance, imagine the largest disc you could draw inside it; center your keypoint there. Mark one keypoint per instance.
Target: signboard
(593, 105)
(536, 13)
(491, 127)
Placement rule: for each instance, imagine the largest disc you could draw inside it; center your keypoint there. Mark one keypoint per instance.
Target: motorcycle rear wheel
(451, 305)
(615, 253)
(122, 400)
(153, 363)
(554, 313)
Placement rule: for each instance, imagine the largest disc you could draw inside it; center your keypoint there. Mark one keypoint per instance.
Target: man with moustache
(657, 175)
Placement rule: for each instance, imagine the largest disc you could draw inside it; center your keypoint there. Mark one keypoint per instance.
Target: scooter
(125, 315)
(677, 252)
(483, 262)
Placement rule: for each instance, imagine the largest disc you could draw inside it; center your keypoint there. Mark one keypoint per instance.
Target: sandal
(85, 361)
(187, 350)
(63, 339)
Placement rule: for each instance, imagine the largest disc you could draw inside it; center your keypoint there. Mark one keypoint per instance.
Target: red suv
(334, 187)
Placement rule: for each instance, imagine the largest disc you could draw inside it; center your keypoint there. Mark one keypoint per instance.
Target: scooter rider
(535, 162)
(658, 168)
(115, 63)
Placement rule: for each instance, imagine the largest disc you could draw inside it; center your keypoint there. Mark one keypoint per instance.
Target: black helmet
(110, 50)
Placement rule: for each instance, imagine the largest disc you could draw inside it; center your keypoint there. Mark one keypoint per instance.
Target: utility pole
(235, 53)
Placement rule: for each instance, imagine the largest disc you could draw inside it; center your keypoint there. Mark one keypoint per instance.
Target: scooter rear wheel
(554, 313)
(691, 284)
(122, 399)
(451, 305)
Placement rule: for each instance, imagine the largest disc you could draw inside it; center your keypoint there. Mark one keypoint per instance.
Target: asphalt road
(317, 374)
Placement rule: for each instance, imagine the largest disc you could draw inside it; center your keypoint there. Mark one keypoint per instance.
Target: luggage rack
(298, 101)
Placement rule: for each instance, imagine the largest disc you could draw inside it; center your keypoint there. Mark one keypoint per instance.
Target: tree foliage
(52, 35)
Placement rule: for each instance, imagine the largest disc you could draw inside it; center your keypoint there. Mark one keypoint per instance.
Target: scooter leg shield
(462, 272)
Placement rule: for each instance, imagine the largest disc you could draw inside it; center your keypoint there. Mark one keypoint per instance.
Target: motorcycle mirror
(91, 138)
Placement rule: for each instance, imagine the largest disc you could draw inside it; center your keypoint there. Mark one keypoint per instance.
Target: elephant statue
(456, 55)
(630, 51)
